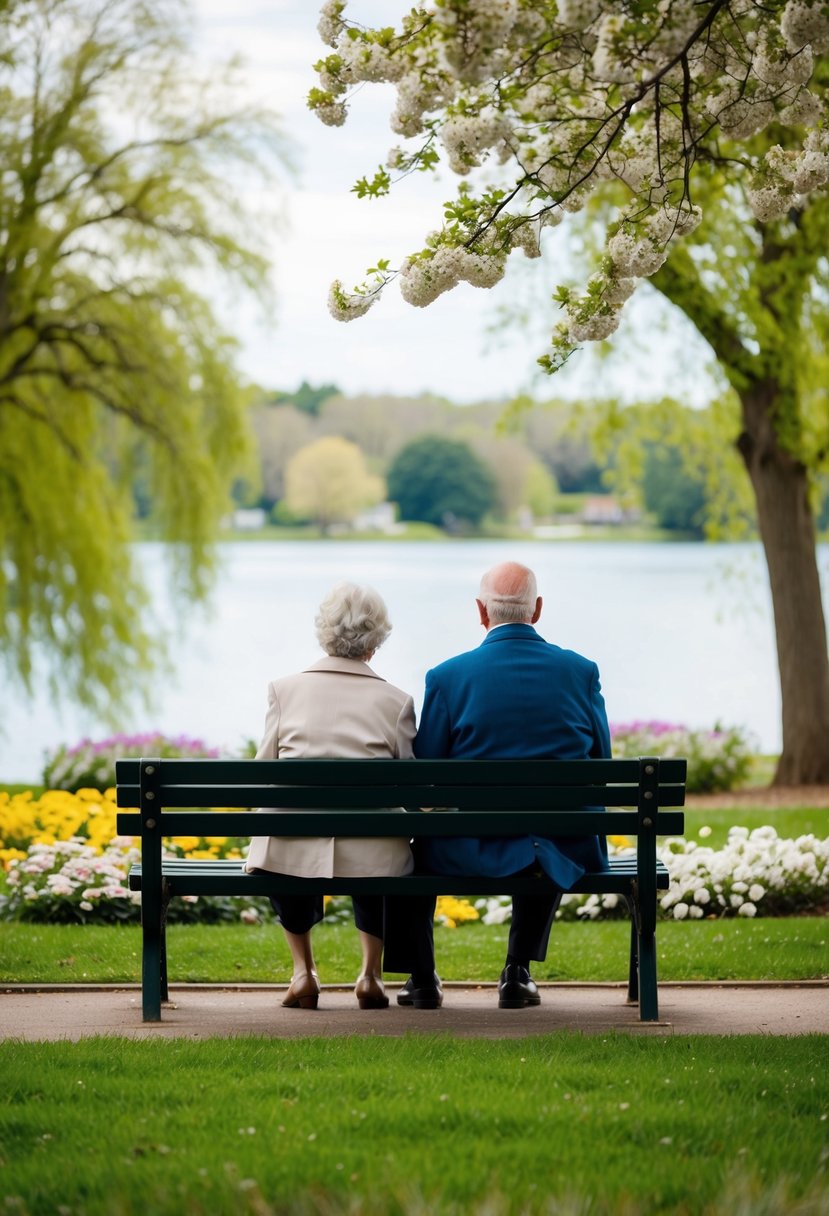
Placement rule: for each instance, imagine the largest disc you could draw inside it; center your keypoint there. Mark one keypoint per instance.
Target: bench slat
(391, 823)
(227, 877)
(397, 772)
(358, 797)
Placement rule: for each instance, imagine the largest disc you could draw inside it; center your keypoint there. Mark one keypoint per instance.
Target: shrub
(718, 759)
(91, 764)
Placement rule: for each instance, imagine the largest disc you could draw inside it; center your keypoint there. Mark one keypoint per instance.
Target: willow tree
(654, 106)
(114, 164)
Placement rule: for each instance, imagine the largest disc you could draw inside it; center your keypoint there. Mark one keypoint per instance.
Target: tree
(675, 498)
(656, 107)
(441, 481)
(540, 490)
(307, 399)
(328, 481)
(113, 198)
(281, 431)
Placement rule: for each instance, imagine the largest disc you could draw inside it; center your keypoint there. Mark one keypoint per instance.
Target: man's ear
(537, 612)
(483, 614)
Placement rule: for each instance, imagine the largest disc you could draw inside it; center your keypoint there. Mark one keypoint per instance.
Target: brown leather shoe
(304, 992)
(370, 992)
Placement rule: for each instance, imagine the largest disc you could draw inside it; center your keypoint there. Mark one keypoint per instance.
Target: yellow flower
(9, 855)
(451, 911)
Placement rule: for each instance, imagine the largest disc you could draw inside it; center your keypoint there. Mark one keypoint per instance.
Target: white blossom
(578, 14)
(769, 200)
(330, 23)
(805, 22)
(466, 136)
(669, 222)
(635, 256)
(571, 96)
(422, 280)
(594, 328)
(332, 113)
(345, 306)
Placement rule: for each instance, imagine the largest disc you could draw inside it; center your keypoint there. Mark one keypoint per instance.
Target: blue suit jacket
(515, 697)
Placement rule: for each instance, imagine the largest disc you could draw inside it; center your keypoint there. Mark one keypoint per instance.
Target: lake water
(681, 633)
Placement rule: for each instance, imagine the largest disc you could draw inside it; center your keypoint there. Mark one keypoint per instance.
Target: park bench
(480, 797)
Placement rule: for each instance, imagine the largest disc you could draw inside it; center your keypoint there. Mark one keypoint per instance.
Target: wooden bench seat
(480, 797)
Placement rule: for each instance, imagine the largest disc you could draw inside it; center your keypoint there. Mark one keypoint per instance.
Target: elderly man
(515, 697)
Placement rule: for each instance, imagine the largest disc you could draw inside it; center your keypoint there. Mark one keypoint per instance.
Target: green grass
(774, 949)
(788, 822)
(417, 1125)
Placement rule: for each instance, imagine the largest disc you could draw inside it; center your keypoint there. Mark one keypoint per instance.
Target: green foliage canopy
(441, 481)
(113, 201)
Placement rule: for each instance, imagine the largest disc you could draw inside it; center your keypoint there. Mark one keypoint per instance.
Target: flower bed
(718, 759)
(91, 763)
(758, 873)
(65, 862)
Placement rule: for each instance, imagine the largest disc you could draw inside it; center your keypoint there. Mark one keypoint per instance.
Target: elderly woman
(338, 707)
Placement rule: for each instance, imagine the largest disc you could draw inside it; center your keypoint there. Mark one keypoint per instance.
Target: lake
(681, 632)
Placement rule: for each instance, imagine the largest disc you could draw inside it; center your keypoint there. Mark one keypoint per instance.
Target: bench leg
(633, 962)
(648, 999)
(162, 965)
(154, 954)
(151, 968)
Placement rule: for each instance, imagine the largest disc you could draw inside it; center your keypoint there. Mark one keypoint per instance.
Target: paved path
(197, 1011)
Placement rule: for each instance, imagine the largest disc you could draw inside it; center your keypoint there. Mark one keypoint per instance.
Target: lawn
(561, 1123)
(788, 821)
(779, 949)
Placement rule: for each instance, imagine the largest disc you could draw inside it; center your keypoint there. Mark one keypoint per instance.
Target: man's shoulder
(572, 657)
(454, 665)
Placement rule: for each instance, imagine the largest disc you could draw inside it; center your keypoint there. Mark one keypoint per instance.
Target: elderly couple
(515, 697)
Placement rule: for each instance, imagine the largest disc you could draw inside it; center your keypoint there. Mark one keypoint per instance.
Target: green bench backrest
(522, 790)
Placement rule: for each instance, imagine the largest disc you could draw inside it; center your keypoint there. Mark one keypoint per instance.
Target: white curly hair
(352, 621)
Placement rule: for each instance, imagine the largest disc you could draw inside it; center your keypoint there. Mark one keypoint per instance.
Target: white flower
(330, 23)
(635, 257)
(805, 23)
(704, 832)
(769, 201)
(332, 113)
(747, 909)
(681, 911)
(756, 892)
(345, 306)
(594, 328)
(578, 14)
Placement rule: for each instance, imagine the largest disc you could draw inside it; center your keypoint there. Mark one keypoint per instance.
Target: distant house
(380, 518)
(249, 519)
(604, 509)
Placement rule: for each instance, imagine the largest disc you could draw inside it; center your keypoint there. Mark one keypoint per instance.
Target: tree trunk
(787, 530)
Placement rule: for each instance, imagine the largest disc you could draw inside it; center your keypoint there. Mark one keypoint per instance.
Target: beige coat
(337, 708)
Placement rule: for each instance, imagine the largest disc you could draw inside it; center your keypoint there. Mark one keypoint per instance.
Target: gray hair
(352, 621)
(509, 594)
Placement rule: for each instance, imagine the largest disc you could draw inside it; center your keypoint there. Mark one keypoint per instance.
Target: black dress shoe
(516, 988)
(428, 997)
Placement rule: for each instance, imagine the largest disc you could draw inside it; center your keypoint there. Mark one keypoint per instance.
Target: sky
(458, 347)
